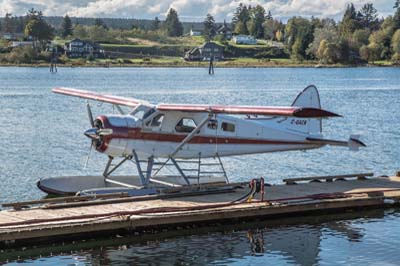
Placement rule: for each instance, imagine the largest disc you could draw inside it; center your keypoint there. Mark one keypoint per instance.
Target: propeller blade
(90, 115)
(88, 156)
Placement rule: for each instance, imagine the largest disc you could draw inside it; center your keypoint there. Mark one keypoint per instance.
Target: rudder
(309, 97)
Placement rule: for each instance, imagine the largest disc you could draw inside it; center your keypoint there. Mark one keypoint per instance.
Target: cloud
(188, 10)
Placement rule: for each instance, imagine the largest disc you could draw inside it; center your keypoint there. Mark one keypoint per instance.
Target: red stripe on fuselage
(139, 134)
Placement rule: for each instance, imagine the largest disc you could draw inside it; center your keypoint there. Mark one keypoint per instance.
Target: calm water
(41, 135)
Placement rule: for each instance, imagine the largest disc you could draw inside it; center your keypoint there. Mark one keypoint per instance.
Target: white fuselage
(159, 135)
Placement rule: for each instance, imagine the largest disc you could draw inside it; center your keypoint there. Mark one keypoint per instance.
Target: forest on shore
(360, 37)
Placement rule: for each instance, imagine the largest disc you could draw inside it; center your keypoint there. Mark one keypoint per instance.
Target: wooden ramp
(77, 216)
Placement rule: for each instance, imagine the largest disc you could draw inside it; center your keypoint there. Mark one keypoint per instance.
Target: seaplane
(157, 136)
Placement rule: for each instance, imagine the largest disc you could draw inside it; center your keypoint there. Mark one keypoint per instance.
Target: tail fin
(309, 97)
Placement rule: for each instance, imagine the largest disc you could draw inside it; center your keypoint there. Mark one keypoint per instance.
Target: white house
(79, 48)
(23, 43)
(195, 32)
(244, 39)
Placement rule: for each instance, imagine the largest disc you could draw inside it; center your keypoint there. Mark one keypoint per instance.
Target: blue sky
(188, 10)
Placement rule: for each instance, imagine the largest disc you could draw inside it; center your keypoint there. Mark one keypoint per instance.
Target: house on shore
(81, 49)
(205, 52)
(244, 39)
(12, 36)
(195, 32)
(32, 44)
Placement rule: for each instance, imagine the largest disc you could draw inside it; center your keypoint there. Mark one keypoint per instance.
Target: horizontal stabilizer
(353, 143)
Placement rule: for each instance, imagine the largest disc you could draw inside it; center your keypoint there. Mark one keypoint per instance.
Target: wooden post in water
(211, 66)
(53, 60)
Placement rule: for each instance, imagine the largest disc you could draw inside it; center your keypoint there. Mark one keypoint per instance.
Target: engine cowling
(111, 134)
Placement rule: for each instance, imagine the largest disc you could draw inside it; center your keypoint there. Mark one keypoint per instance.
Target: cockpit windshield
(142, 112)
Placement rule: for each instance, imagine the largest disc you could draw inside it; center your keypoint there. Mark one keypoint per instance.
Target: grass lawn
(172, 61)
(382, 63)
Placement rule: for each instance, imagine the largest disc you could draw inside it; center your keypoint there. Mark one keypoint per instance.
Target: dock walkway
(131, 214)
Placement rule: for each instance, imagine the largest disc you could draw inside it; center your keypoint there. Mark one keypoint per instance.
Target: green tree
(37, 29)
(173, 26)
(364, 53)
(374, 51)
(242, 17)
(360, 38)
(271, 27)
(66, 27)
(155, 25)
(97, 33)
(100, 23)
(396, 46)
(368, 17)
(269, 16)
(80, 32)
(256, 22)
(210, 29)
(396, 17)
(349, 22)
(241, 28)
(8, 23)
(327, 33)
(299, 34)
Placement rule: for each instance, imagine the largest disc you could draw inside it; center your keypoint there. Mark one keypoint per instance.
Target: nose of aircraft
(92, 133)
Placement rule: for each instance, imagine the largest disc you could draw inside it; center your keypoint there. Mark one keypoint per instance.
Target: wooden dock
(79, 216)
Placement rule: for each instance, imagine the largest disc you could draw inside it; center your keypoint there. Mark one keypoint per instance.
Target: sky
(188, 10)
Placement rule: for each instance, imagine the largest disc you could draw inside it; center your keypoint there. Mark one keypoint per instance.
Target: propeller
(91, 120)
(90, 115)
(95, 132)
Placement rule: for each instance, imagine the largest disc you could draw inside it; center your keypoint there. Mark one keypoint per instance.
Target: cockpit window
(148, 113)
(185, 125)
(141, 111)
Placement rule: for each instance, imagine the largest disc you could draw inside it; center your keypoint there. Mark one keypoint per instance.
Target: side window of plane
(157, 120)
(225, 126)
(185, 125)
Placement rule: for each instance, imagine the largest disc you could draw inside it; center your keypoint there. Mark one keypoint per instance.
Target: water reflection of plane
(293, 240)
(297, 244)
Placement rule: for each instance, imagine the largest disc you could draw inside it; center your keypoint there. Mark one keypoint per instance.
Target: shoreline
(197, 65)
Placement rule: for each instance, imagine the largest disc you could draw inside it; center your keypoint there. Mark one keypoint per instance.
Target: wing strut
(184, 141)
(191, 135)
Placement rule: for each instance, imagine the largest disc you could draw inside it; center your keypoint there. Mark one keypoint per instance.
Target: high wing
(124, 101)
(249, 110)
(217, 109)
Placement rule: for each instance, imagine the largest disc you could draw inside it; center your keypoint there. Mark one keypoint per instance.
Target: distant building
(10, 36)
(205, 52)
(244, 39)
(24, 43)
(194, 32)
(225, 31)
(81, 49)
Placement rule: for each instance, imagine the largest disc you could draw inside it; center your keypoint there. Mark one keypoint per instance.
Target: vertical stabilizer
(309, 97)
